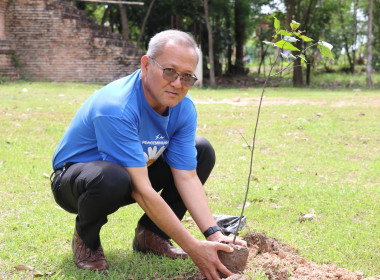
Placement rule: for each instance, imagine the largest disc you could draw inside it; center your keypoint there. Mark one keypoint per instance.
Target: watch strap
(211, 230)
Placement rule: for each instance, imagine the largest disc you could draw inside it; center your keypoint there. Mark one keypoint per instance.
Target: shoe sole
(136, 246)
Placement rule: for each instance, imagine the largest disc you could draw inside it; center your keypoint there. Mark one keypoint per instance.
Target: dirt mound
(280, 262)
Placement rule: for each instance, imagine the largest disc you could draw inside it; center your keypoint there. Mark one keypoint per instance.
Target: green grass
(316, 150)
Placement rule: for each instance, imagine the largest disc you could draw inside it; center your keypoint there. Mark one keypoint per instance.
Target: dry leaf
(307, 217)
(24, 267)
(39, 274)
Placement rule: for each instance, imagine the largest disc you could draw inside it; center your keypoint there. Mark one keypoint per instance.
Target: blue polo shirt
(117, 124)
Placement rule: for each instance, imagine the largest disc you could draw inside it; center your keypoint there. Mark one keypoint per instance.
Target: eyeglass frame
(171, 69)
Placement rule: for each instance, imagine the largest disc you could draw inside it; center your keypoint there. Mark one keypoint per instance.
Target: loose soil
(280, 262)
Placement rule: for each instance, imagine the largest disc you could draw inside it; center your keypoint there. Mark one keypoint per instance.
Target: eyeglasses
(171, 75)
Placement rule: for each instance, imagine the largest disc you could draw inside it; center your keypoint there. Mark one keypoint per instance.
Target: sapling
(285, 40)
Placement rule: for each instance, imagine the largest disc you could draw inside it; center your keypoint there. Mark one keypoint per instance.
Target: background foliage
(240, 26)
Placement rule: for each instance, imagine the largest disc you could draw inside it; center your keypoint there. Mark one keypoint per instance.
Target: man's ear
(144, 63)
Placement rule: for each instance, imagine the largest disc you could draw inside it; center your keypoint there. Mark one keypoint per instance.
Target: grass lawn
(317, 151)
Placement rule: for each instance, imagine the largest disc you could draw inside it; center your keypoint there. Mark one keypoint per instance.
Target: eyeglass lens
(170, 75)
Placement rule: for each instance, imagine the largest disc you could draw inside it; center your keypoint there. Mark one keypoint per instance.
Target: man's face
(159, 92)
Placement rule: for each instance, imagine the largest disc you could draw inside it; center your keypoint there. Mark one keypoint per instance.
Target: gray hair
(158, 41)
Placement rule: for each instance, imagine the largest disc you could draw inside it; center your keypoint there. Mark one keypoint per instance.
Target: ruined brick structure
(7, 49)
(52, 40)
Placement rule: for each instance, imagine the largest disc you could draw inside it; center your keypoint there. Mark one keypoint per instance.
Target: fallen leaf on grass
(274, 206)
(309, 216)
(24, 267)
(39, 274)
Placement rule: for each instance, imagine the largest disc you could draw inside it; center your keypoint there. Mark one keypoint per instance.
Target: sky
(267, 10)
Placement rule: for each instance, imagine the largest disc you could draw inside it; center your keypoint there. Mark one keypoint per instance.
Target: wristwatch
(211, 230)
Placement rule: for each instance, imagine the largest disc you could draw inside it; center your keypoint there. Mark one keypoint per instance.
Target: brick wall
(55, 41)
(7, 49)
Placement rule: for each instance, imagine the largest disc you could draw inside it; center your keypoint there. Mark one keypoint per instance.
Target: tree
(376, 35)
(355, 28)
(369, 45)
(313, 15)
(301, 11)
(349, 19)
(144, 22)
(210, 44)
(321, 21)
(242, 12)
(124, 22)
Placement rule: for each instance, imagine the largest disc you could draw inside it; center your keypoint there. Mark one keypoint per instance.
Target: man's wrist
(211, 231)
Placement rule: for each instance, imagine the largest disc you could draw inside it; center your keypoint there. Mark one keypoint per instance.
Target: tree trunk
(229, 43)
(210, 45)
(263, 53)
(144, 22)
(297, 70)
(239, 37)
(308, 72)
(106, 12)
(304, 16)
(124, 22)
(297, 73)
(297, 67)
(369, 44)
(112, 19)
(345, 40)
(355, 27)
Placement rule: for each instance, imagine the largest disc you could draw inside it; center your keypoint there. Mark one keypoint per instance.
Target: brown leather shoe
(146, 241)
(85, 258)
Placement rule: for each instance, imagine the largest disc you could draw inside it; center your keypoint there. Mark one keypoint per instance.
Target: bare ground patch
(280, 262)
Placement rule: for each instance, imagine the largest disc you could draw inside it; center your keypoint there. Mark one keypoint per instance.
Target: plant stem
(253, 146)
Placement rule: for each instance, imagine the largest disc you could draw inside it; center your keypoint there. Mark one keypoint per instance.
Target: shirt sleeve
(118, 141)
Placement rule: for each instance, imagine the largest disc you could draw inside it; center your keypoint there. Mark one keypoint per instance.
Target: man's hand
(205, 256)
(219, 237)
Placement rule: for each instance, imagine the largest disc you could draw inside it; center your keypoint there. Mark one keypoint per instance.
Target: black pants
(94, 190)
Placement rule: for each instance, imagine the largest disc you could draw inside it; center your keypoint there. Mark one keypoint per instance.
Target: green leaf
(286, 46)
(284, 32)
(269, 43)
(305, 38)
(276, 23)
(303, 59)
(325, 51)
(294, 25)
(290, 39)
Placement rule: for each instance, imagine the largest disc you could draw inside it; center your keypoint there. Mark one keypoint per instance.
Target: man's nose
(177, 83)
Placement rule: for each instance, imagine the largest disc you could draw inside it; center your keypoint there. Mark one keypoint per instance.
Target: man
(131, 139)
